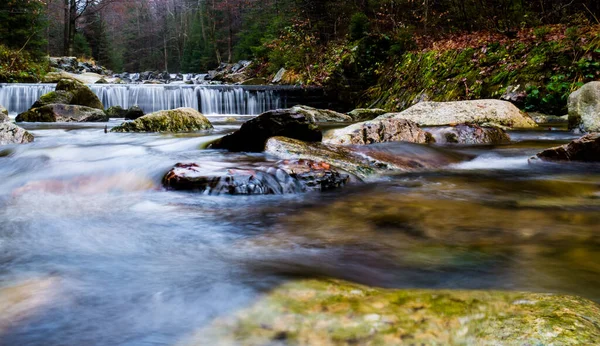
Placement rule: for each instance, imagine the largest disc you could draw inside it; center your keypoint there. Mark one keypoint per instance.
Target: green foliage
(22, 24)
(550, 98)
(359, 26)
(81, 47)
(19, 66)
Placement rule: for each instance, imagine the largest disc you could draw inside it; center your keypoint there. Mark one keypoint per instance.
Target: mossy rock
(3, 114)
(176, 120)
(82, 95)
(332, 312)
(255, 81)
(54, 97)
(116, 112)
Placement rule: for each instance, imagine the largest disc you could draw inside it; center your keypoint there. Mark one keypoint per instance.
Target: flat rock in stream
(333, 312)
(288, 176)
(13, 134)
(584, 149)
(361, 161)
(254, 133)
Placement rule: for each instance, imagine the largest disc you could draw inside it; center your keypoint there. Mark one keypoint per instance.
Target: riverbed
(125, 262)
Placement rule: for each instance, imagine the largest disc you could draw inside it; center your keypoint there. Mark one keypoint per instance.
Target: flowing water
(210, 100)
(100, 254)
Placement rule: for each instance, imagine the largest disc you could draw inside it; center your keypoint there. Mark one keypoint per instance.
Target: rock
(540, 118)
(378, 131)
(176, 120)
(13, 134)
(67, 63)
(54, 97)
(469, 134)
(234, 78)
(320, 115)
(3, 114)
(365, 114)
(586, 149)
(82, 95)
(279, 76)
(360, 162)
(255, 81)
(253, 134)
(116, 112)
(63, 113)
(133, 113)
(463, 112)
(55, 77)
(334, 312)
(515, 95)
(101, 81)
(584, 108)
(281, 178)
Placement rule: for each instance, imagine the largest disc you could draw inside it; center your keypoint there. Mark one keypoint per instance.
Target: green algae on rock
(82, 95)
(459, 112)
(333, 312)
(176, 120)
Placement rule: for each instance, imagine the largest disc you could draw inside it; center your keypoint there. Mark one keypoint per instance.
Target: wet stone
(283, 177)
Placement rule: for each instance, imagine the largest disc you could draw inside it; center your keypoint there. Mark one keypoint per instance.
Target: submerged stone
(253, 134)
(333, 312)
(378, 131)
(13, 134)
(461, 112)
(176, 120)
(585, 149)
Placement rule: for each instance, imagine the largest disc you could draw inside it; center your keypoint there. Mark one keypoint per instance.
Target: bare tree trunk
(66, 28)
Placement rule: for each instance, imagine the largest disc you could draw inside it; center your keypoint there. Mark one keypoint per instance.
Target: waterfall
(221, 99)
(17, 98)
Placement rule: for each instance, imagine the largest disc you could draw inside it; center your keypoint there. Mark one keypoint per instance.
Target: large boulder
(132, 113)
(584, 108)
(460, 112)
(333, 312)
(55, 77)
(365, 114)
(378, 131)
(586, 149)
(280, 178)
(469, 134)
(176, 120)
(13, 134)
(253, 134)
(362, 162)
(82, 95)
(54, 97)
(63, 113)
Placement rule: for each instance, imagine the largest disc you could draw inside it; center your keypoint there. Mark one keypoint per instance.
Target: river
(125, 262)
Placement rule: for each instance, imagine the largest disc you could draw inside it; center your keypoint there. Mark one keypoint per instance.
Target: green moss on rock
(176, 120)
(332, 312)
